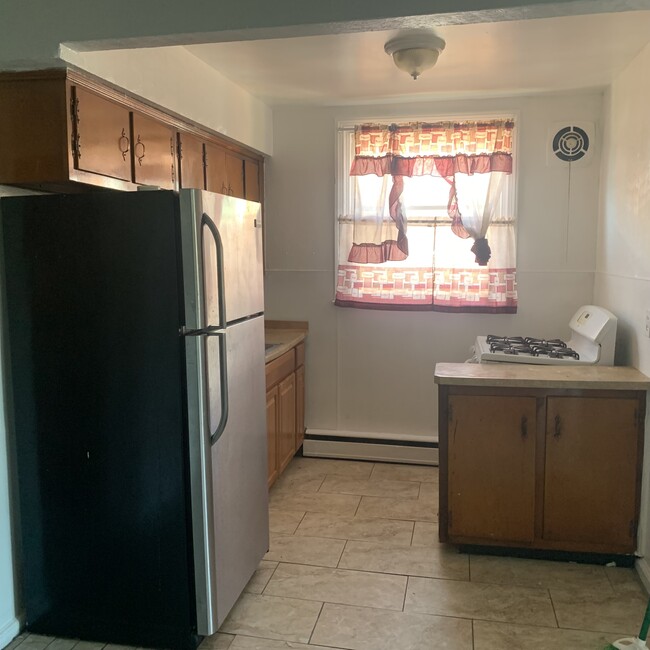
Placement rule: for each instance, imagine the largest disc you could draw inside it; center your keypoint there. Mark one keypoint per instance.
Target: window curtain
(472, 158)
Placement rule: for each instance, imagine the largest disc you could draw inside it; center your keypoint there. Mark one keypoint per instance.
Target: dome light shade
(415, 53)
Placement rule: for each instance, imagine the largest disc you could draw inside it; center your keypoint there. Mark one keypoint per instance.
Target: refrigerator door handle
(208, 379)
(209, 225)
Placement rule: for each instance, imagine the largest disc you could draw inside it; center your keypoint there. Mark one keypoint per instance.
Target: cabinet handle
(139, 157)
(224, 189)
(123, 144)
(230, 191)
(558, 427)
(524, 427)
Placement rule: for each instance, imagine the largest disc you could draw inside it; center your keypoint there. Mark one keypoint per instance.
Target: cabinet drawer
(279, 368)
(300, 354)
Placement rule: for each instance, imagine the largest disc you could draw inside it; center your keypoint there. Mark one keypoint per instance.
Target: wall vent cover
(570, 143)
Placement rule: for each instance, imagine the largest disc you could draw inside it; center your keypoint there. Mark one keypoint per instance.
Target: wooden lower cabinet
(272, 416)
(492, 500)
(540, 468)
(300, 406)
(286, 443)
(285, 409)
(590, 474)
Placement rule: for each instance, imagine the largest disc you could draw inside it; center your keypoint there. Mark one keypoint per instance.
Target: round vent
(570, 143)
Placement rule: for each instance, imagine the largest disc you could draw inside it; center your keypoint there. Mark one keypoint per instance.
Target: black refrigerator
(135, 379)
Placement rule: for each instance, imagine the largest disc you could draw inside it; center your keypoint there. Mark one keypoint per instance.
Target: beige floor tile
(217, 641)
(271, 617)
(621, 614)
(261, 576)
(338, 586)
(369, 530)
(432, 562)
(359, 628)
(429, 492)
(505, 636)
(425, 534)
(16, 641)
(319, 551)
(68, 644)
(36, 642)
(313, 467)
(417, 473)
(473, 600)
(251, 643)
(338, 504)
(388, 508)
(288, 484)
(284, 522)
(542, 574)
(625, 581)
(377, 488)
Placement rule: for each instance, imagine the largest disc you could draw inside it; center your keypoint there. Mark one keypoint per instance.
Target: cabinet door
(252, 180)
(190, 156)
(287, 429)
(300, 406)
(590, 482)
(235, 175)
(216, 179)
(101, 135)
(153, 152)
(272, 418)
(491, 489)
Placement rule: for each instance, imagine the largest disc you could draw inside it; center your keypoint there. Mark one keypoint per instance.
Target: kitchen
(345, 395)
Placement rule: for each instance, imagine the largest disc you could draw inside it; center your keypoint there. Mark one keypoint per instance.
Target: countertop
(532, 376)
(283, 335)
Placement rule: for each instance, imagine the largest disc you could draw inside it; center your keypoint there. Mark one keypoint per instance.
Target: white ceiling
(504, 58)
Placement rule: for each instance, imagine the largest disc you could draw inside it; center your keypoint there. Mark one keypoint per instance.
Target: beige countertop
(532, 376)
(283, 335)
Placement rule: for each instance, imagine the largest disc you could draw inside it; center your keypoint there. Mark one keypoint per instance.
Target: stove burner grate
(516, 345)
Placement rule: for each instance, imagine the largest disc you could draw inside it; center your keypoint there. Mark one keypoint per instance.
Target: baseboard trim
(373, 447)
(9, 631)
(643, 569)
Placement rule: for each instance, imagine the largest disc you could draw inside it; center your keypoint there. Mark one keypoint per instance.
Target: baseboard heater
(381, 447)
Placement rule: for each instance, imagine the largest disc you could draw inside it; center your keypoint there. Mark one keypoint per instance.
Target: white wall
(623, 256)
(175, 79)
(372, 371)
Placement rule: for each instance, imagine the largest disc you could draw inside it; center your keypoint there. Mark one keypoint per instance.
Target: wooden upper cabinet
(252, 180)
(101, 138)
(224, 171)
(154, 153)
(190, 156)
(590, 486)
(62, 127)
(491, 488)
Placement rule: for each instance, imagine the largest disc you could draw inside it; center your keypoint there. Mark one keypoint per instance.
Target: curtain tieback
(481, 250)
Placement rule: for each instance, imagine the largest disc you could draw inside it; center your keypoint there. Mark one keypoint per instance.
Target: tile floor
(355, 564)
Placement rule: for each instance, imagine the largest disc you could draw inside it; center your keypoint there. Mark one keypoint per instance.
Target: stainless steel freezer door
(239, 469)
(238, 223)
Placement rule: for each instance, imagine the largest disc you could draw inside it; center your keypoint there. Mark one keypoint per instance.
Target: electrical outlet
(647, 323)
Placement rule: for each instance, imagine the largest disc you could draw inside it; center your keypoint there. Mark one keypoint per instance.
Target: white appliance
(593, 340)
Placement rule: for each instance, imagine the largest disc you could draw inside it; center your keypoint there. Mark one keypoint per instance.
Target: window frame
(345, 154)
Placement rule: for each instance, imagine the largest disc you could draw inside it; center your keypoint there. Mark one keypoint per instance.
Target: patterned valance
(438, 139)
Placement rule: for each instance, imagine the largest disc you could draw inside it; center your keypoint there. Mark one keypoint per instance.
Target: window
(426, 218)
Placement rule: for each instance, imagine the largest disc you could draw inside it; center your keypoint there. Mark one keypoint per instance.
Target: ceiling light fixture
(415, 52)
